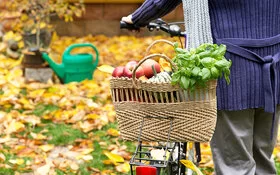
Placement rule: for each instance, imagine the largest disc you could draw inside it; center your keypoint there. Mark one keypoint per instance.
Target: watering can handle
(73, 46)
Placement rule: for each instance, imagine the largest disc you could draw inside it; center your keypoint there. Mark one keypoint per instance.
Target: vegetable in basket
(162, 77)
(199, 65)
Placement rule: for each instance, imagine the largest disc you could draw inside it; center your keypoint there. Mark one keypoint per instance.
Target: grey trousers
(242, 144)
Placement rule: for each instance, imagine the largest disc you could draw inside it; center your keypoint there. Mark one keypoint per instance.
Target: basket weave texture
(192, 120)
(190, 114)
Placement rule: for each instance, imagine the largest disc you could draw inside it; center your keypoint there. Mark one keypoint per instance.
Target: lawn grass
(5, 171)
(19, 168)
(98, 155)
(65, 134)
(60, 133)
(41, 109)
(277, 167)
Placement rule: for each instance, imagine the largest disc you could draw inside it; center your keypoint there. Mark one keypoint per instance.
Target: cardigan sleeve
(153, 9)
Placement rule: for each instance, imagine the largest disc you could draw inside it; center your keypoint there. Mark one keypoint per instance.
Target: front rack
(142, 155)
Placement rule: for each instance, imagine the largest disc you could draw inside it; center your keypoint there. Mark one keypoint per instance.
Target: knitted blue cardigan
(251, 31)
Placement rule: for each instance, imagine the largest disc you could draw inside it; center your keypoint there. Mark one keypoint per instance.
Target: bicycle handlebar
(124, 25)
(158, 24)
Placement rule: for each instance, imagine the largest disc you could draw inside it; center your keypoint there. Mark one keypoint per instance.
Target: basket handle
(174, 67)
(155, 42)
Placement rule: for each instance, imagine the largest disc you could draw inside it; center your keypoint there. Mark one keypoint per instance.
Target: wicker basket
(192, 113)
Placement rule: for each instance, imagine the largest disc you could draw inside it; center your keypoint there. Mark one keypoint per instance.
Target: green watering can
(74, 67)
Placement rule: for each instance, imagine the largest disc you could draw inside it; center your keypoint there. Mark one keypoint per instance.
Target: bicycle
(173, 151)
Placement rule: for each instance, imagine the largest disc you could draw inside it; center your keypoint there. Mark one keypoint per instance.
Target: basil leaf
(192, 82)
(180, 50)
(215, 54)
(176, 45)
(222, 49)
(226, 75)
(204, 47)
(185, 82)
(214, 73)
(222, 63)
(200, 74)
(218, 57)
(204, 54)
(175, 78)
(205, 73)
(187, 71)
(208, 62)
(195, 71)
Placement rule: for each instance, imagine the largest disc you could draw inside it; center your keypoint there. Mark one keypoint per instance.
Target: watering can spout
(58, 68)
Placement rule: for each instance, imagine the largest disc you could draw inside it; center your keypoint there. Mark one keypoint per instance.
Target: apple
(147, 66)
(118, 71)
(127, 72)
(131, 63)
(139, 72)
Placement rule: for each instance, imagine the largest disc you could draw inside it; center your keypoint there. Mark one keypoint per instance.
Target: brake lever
(152, 25)
(159, 21)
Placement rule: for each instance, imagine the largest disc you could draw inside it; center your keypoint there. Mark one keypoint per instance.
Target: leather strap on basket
(155, 42)
(173, 65)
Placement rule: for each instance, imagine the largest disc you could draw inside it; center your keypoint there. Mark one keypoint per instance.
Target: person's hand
(127, 19)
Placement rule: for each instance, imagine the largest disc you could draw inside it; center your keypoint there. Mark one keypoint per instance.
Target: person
(248, 108)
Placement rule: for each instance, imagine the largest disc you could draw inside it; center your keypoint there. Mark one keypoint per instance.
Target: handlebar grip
(124, 25)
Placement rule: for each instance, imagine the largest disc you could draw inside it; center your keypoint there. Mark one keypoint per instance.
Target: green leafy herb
(197, 66)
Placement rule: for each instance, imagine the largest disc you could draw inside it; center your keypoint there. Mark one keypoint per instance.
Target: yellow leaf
(43, 170)
(100, 76)
(12, 36)
(87, 157)
(21, 44)
(87, 151)
(17, 161)
(106, 172)
(92, 116)
(189, 164)
(6, 139)
(19, 147)
(123, 168)
(74, 166)
(2, 157)
(26, 103)
(46, 148)
(47, 117)
(115, 158)
(15, 126)
(24, 17)
(107, 162)
(3, 47)
(54, 37)
(190, 145)
(53, 89)
(165, 65)
(33, 31)
(42, 25)
(38, 136)
(106, 68)
(36, 93)
(113, 132)
(86, 126)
